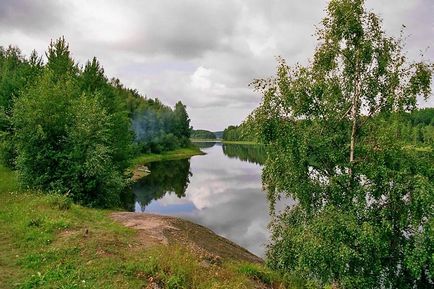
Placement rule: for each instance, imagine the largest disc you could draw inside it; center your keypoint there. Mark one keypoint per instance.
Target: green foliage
(71, 140)
(202, 134)
(16, 72)
(238, 133)
(258, 272)
(9, 180)
(417, 127)
(158, 128)
(364, 201)
(68, 129)
(60, 62)
(178, 154)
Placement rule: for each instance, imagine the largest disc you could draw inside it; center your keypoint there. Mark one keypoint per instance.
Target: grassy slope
(47, 242)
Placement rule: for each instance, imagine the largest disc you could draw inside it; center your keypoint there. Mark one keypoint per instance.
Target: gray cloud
(30, 16)
(202, 52)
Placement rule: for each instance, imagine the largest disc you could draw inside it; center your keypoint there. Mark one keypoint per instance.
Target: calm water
(220, 190)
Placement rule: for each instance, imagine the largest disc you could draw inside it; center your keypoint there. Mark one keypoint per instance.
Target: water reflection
(250, 153)
(167, 177)
(206, 144)
(220, 190)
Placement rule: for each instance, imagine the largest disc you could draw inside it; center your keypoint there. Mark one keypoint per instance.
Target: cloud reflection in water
(223, 194)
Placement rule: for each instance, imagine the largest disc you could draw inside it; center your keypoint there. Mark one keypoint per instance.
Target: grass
(177, 154)
(8, 180)
(46, 241)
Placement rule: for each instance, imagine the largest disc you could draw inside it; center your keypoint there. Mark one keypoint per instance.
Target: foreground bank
(48, 242)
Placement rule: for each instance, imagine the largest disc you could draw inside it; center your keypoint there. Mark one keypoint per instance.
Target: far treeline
(67, 128)
(202, 134)
(416, 128)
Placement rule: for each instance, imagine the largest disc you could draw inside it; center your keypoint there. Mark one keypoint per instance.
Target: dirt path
(156, 229)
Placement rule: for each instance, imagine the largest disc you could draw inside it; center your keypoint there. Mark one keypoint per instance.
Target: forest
(67, 128)
(202, 134)
(240, 132)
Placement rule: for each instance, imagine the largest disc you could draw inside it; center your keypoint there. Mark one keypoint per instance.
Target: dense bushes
(68, 138)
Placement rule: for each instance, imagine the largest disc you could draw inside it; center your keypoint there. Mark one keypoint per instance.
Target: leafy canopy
(364, 201)
(69, 136)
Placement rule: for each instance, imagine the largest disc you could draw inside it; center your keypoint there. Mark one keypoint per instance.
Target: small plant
(257, 272)
(61, 202)
(176, 282)
(35, 222)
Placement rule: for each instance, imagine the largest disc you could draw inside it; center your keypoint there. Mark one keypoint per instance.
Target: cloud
(30, 16)
(204, 53)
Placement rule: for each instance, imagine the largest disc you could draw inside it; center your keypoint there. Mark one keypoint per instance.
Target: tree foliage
(16, 72)
(364, 201)
(238, 133)
(158, 128)
(68, 139)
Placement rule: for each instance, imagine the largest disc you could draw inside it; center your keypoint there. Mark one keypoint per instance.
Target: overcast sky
(204, 53)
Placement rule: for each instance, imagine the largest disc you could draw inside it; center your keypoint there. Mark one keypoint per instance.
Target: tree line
(67, 128)
(202, 134)
(238, 133)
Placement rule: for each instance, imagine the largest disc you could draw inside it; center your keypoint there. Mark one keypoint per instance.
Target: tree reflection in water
(166, 177)
(250, 153)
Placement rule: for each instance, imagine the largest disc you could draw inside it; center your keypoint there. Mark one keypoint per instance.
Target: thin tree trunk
(353, 129)
(354, 111)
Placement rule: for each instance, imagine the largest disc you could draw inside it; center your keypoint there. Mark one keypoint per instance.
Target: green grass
(46, 241)
(8, 180)
(177, 154)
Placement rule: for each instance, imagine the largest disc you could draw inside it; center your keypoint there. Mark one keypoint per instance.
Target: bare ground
(155, 229)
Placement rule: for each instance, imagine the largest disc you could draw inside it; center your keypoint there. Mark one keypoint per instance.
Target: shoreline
(242, 142)
(48, 240)
(138, 168)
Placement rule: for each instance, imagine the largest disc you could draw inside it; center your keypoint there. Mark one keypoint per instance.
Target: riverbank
(177, 154)
(138, 167)
(225, 141)
(48, 242)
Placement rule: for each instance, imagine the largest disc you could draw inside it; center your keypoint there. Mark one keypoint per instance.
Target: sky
(202, 52)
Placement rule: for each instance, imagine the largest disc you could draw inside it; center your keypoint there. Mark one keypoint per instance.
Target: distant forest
(238, 133)
(67, 128)
(416, 127)
(202, 134)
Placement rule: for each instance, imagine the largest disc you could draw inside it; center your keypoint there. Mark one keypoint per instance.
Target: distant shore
(225, 141)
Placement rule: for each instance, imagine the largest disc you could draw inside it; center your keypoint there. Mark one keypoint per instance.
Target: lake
(221, 190)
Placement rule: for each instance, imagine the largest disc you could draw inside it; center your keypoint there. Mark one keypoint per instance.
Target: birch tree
(363, 216)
